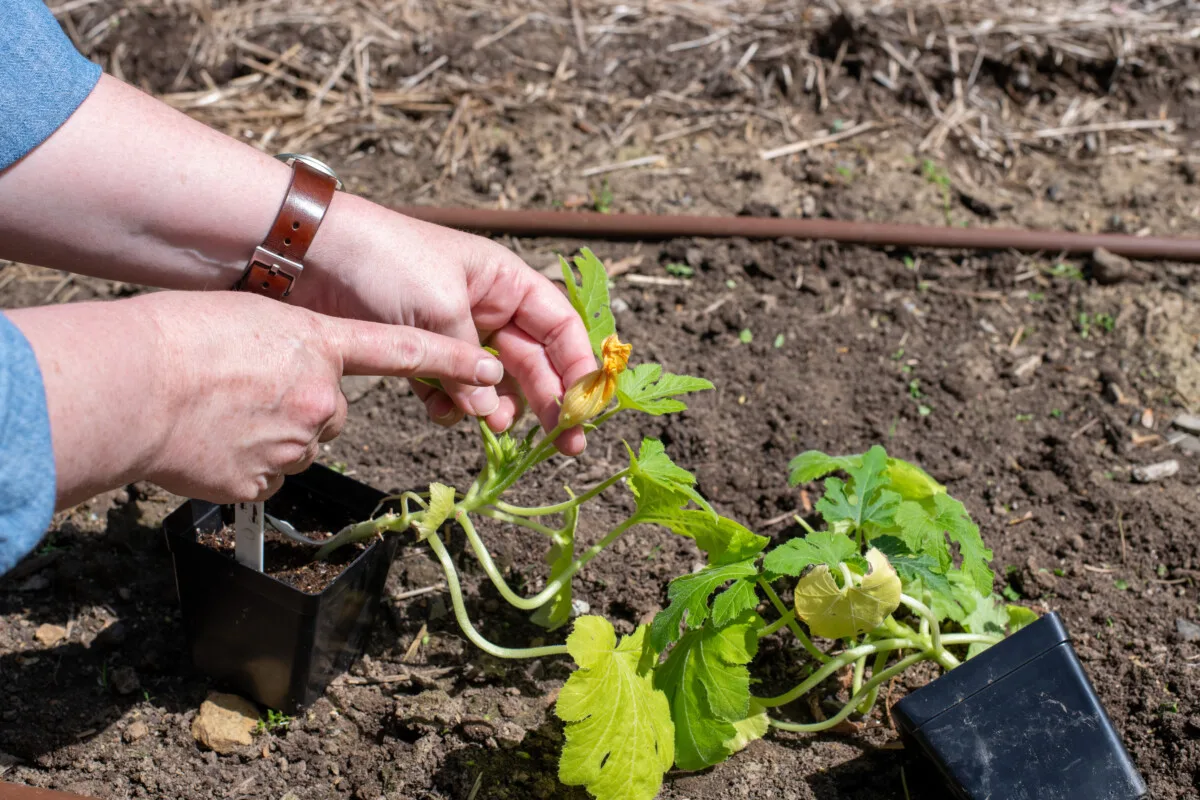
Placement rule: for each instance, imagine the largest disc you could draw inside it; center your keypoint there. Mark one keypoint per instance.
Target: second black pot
(264, 638)
(1020, 721)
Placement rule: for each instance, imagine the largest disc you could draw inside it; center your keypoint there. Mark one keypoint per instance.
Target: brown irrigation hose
(590, 225)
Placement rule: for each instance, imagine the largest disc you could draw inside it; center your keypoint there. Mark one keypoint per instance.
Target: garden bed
(1021, 383)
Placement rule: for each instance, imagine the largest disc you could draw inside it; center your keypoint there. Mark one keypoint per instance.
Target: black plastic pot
(259, 636)
(1020, 721)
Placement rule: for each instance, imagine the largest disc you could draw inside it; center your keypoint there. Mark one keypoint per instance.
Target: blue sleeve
(27, 480)
(43, 78)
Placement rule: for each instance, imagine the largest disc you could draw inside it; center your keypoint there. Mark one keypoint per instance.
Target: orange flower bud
(593, 392)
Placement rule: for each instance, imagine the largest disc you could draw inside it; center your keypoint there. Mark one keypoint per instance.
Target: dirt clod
(137, 730)
(49, 635)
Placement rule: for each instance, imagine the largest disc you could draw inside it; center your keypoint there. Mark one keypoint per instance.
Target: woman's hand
(215, 396)
(371, 263)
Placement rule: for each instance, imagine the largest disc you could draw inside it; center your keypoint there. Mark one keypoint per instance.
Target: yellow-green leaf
(441, 507)
(619, 736)
(754, 726)
(840, 612)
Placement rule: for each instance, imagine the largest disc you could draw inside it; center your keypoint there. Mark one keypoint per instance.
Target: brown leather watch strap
(279, 260)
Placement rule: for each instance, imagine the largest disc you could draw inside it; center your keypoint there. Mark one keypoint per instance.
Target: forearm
(104, 389)
(131, 190)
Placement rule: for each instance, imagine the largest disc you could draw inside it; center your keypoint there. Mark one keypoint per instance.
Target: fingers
(479, 401)
(528, 362)
(441, 408)
(371, 348)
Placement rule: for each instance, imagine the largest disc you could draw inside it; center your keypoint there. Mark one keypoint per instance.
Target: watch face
(315, 163)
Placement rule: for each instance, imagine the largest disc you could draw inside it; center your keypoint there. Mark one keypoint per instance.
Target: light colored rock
(49, 635)
(1187, 629)
(138, 730)
(1149, 473)
(1189, 445)
(1187, 422)
(225, 722)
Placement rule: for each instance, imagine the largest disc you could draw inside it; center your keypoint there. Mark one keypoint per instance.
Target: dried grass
(328, 76)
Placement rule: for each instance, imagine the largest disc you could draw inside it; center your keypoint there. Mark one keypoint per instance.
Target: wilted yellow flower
(591, 393)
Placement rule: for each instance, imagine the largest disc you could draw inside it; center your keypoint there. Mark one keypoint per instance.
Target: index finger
(375, 348)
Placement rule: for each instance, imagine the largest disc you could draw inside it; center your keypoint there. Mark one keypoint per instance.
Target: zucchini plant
(897, 575)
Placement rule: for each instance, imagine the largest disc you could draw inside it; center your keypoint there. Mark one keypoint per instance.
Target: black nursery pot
(264, 638)
(1020, 721)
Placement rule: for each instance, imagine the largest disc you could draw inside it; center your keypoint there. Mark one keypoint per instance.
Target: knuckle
(411, 351)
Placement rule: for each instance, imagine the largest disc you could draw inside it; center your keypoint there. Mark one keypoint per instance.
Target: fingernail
(484, 401)
(489, 371)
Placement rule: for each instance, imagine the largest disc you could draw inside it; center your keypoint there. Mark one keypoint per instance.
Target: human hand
(371, 263)
(252, 386)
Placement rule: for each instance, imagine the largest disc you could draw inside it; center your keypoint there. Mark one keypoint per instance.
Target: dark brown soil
(979, 367)
(288, 561)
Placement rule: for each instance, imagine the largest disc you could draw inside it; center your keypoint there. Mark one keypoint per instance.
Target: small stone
(1189, 445)
(1149, 473)
(580, 607)
(509, 734)
(137, 730)
(225, 722)
(1147, 418)
(49, 635)
(124, 680)
(124, 593)
(1188, 630)
(808, 206)
(1187, 422)
(618, 306)
(1110, 268)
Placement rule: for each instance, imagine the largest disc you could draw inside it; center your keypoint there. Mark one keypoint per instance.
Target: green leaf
(688, 600)
(754, 726)
(441, 507)
(823, 547)
(652, 466)
(648, 389)
(925, 531)
(724, 540)
(619, 735)
(840, 612)
(868, 502)
(561, 555)
(590, 296)
(708, 686)
(1019, 617)
(812, 464)
(910, 481)
(988, 616)
(921, 573)
(727, 606)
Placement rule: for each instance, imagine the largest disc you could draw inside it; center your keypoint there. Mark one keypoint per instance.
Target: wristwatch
(278, 262)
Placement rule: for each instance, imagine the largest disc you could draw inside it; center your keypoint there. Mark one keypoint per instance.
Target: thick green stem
(833, 665)
(545, 530)
(566, 505)
(970, 638)
(860, 667)
(855, 701)
(935, 633)
(876, 668)
(775, 626)
(464, 622)
(791, 623)
(552, 588)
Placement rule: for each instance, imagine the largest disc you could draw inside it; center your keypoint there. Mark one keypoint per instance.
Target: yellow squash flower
(591, 393)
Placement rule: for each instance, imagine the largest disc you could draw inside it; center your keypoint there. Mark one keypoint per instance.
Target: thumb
(373, 348)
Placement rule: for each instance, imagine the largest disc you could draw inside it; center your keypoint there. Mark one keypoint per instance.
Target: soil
(1026, 385)
(289, 561)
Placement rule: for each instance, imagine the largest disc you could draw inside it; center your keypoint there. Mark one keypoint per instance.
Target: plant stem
(554, 586)
(834, 664)
(566, 505)
(935, 632)
(876, 668)
(970, 638)
(786, 619)
(494, 513)
(791, 622)
(860, 666)
(464, 622)
(854, 701)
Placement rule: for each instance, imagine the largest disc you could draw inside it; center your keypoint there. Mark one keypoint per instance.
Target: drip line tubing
(592, 225)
